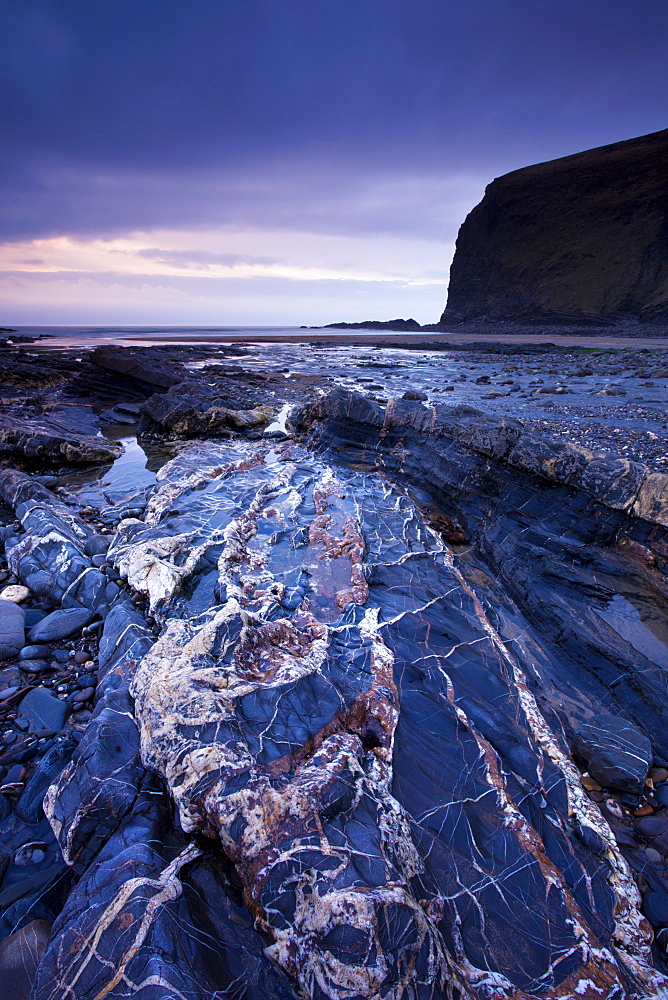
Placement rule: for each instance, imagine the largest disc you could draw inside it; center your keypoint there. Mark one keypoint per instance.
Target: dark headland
(579, 239)
(578, 243)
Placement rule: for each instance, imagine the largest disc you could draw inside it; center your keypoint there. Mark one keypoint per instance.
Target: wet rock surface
(332, 713)
(616, 753)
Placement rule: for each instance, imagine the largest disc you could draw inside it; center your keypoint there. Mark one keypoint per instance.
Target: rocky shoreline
(366, 700)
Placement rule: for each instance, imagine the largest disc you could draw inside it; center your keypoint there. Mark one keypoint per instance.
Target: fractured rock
(617, 753)
(192, 409)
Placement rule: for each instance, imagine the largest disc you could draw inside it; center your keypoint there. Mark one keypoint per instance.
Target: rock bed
(600, 398)
(445, 675)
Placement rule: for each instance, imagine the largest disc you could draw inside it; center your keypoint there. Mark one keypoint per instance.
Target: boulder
(39, 438)
(138, 367)
(190, 410)
(60, 625)
(20, 954)
(618, 755)
(43, 711)
(12, 629)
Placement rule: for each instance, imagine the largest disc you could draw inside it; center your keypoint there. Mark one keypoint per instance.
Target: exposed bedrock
(195, 410)
(345, 763)
(47, 439)
(50, 556)
(188, 404)
(138, 366)
(578, 238)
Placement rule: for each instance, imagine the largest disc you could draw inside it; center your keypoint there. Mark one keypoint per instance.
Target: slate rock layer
(581, 237)
(617, 753)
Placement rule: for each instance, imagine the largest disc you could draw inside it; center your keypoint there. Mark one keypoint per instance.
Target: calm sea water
(91, 336)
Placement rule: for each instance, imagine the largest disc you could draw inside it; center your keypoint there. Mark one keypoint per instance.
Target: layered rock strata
(334, 748)
(584, 237)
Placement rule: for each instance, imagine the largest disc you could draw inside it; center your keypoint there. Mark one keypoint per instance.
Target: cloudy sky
(260, 162)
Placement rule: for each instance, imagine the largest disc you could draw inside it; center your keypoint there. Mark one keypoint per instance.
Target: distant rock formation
(376, 324)
(583, 238)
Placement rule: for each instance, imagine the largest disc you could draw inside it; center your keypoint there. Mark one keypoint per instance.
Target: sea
(52, 337)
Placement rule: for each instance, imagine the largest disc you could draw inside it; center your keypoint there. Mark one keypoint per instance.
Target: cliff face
(582, 236)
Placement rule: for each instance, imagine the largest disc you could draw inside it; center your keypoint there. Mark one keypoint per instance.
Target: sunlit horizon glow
(367, 261)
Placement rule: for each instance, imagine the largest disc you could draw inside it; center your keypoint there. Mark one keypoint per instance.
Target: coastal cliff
(580, 238)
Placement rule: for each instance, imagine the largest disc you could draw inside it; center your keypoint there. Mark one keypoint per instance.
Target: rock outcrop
(345, 692)
(576, 239)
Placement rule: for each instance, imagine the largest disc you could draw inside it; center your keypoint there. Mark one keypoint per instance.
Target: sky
(287, 162)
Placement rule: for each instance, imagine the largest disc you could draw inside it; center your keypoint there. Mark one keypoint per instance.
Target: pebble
(655, 905)
(34, 652)
(43, 710)
(614, 807)
(87, 680)
(95, 546)
(658, 775)
(35, 666)
(93, 628)
(643, 811)
(653, 854)
(82, 657)
(15, 593)
(8, 692)
(82, 715)
(30, 854)
(84, 695)
(61, 624)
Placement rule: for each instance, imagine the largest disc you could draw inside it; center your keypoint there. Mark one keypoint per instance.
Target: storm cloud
(374, 118)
